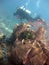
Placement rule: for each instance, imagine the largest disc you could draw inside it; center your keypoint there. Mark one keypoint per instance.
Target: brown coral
(26, 47)
(29, 51)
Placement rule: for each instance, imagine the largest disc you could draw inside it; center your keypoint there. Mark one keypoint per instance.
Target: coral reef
(24, 47)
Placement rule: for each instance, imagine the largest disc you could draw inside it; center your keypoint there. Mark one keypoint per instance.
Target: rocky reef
(24, 47)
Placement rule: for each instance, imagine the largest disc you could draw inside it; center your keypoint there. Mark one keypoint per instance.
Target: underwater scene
(24, 32)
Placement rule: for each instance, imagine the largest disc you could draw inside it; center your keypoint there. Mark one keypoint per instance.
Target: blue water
(8, 7)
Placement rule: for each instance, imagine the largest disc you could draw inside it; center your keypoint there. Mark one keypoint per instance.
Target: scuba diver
(22, 13)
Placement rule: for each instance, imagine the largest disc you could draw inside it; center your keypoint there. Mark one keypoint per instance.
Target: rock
(2, 37)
